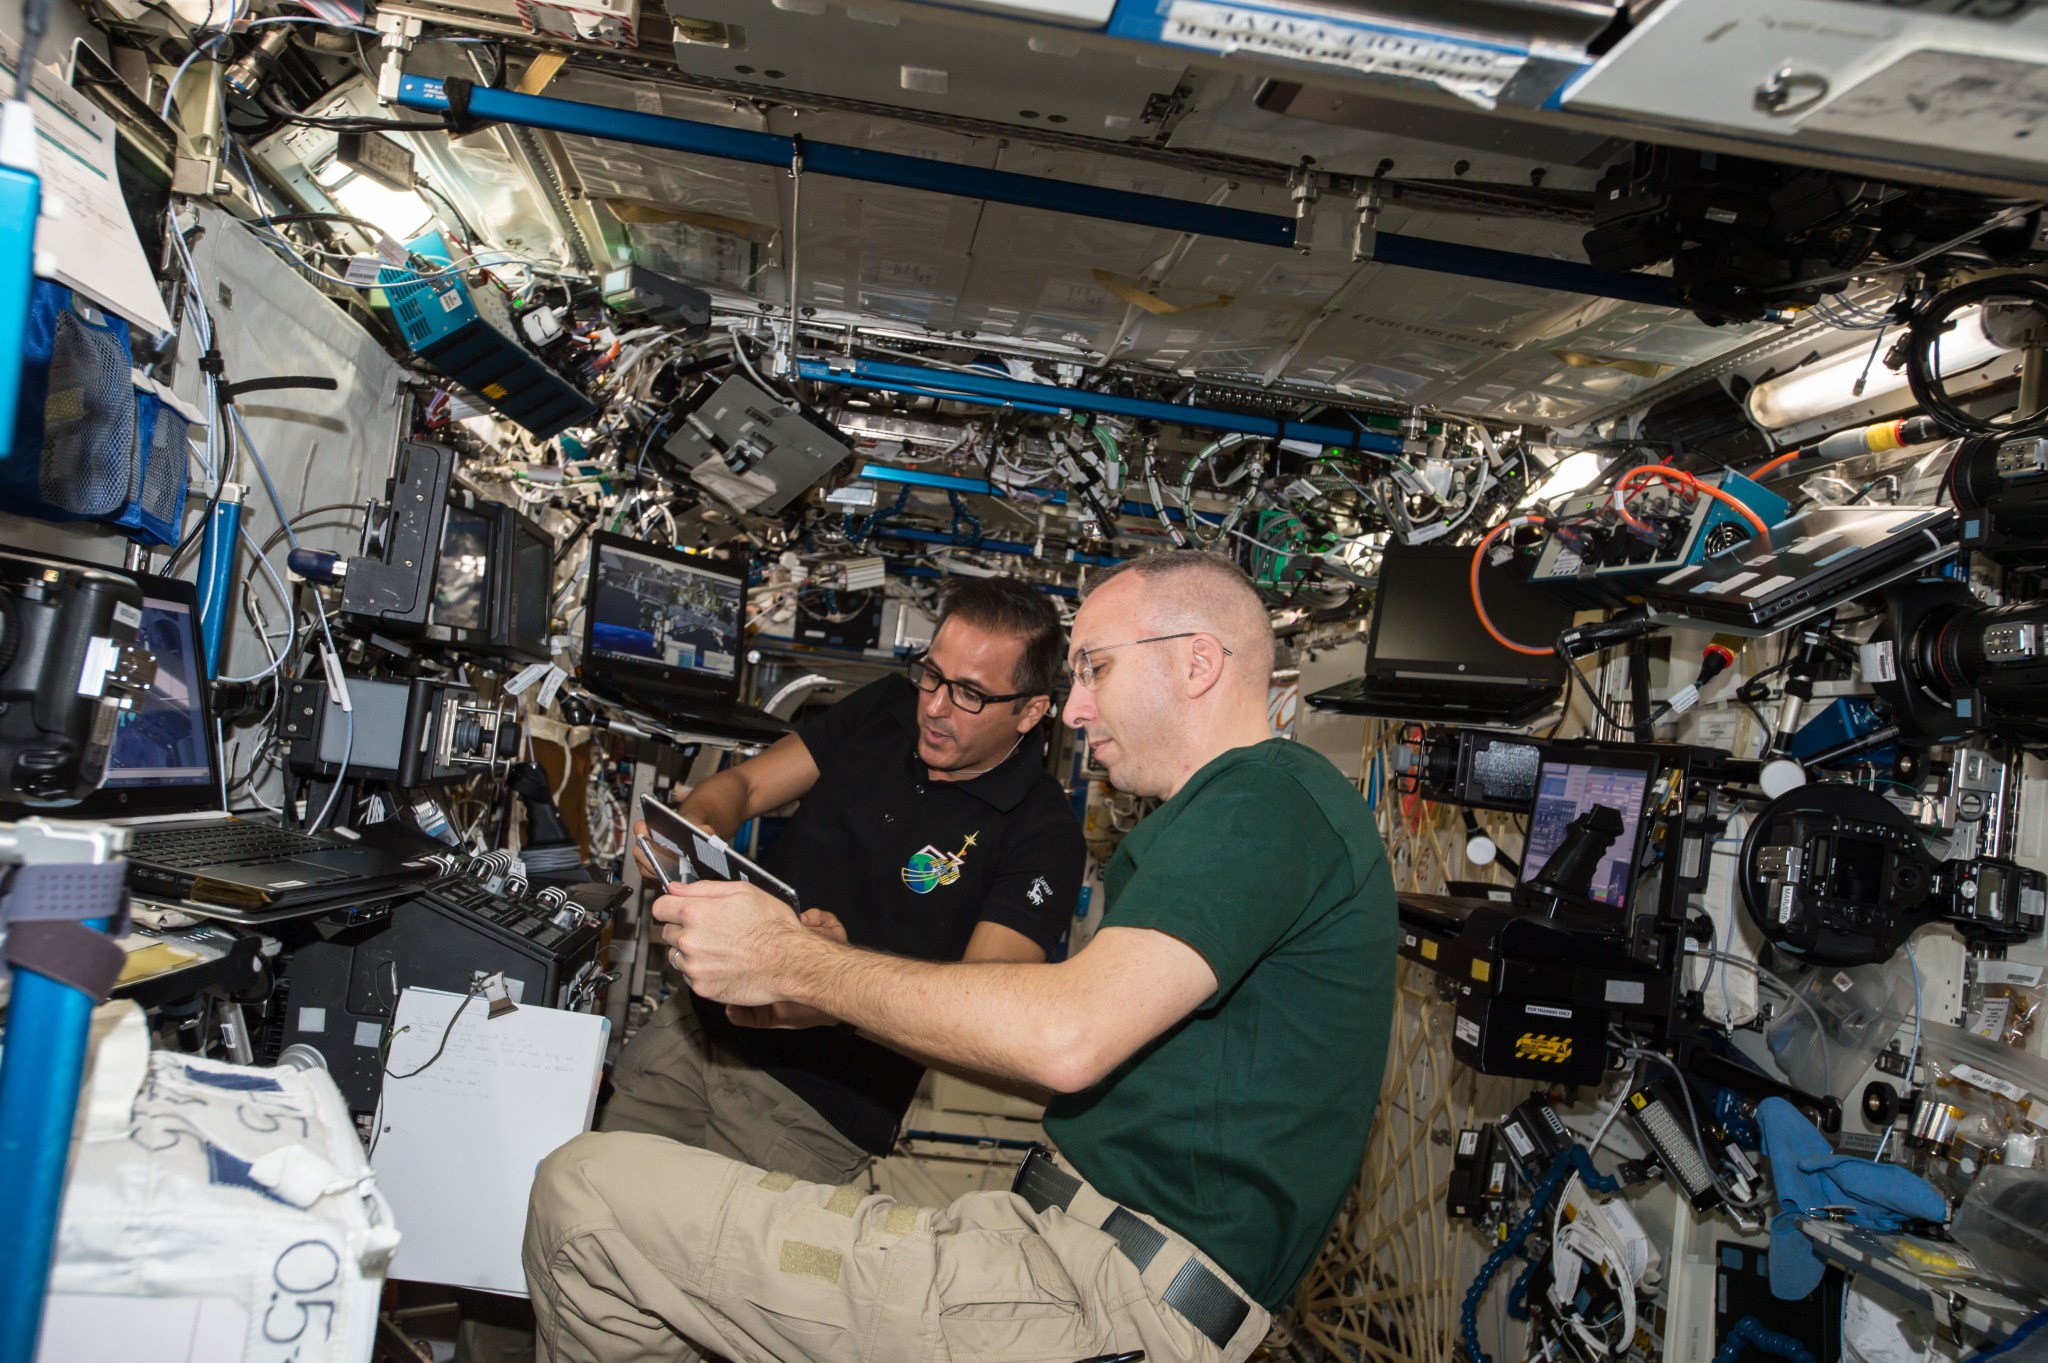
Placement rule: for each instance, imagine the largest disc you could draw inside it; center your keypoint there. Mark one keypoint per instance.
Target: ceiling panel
(953, 265)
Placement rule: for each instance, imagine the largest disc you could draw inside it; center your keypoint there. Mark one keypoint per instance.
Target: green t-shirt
(1243, 1127)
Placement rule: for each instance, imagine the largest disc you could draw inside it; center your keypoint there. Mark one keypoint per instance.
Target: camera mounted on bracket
(1838, 875)
(1949, 666)
(72, 661)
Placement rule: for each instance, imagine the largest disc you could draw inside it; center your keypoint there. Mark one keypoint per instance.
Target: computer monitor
(663, 616)
(1424, 624)
(164, 740)
(1573, 780)
(462, 582)
(492, 581)
(522, 588)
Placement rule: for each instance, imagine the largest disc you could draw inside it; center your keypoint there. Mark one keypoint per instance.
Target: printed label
(1879, 661)
(363, 270)
(1468, 1031)
(1991, 1017)
(1474, 73)
(1519, 1139)
(1990, 1083)
(2008, 972)
(526, 677)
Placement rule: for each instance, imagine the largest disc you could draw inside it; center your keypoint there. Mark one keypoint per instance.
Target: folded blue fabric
(1807, 1175)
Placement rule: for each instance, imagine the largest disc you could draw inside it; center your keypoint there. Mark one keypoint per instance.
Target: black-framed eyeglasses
(1086, 670)
(964, 695)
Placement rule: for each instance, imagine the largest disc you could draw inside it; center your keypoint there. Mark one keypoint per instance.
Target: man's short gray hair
(1194, 590)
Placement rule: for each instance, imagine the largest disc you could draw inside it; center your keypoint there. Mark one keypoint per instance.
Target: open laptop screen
(666, 619)
(1424, 624)
(1566, 788)
(163, 741)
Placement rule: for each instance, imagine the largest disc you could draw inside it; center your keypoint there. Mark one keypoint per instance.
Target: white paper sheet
(85, 230)
(458, 1142)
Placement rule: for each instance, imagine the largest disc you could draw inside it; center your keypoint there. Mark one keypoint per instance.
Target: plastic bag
(2004, 1001)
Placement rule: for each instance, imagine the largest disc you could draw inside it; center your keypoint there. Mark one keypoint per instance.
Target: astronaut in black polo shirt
(927, 828)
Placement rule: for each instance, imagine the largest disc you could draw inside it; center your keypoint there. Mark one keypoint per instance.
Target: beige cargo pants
(639, 1249)
(672, 1081)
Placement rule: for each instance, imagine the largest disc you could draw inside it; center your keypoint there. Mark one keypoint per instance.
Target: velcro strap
(1139, 1242)
(67, 952)
(73, 890)
(1206, 1301)
(458, 90)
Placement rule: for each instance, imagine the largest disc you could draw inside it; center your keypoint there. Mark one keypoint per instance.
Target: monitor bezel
(597, 669)
(1652, 765)
(1533, 671)
(502, 606)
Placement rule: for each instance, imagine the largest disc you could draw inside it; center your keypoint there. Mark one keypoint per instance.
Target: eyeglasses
(964, 695)
(1086, 671)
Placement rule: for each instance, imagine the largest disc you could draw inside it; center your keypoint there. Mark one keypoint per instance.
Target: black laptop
(1428, 658)
(164, 785)
(1806, 564)
(664, 632)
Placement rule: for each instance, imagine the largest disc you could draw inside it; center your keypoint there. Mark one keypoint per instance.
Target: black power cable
(1934, 319)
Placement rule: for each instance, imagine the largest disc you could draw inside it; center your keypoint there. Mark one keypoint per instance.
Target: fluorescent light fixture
(401, 213)
(1829, 385)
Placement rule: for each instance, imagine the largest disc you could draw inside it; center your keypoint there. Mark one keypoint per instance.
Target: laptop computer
(664, 631)
(1428, 658)
(1806, 564)
(753, 450)
(164, 785)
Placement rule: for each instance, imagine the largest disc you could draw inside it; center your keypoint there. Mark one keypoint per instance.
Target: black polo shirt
(910, 865)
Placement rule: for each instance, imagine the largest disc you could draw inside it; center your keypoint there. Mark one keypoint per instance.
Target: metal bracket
(1304, 187)
(1366, 235)
(44, 842)
(396, 34)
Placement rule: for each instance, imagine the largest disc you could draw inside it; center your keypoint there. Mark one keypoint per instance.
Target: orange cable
(1783, 459)
(1479, 606)
(1686, 479)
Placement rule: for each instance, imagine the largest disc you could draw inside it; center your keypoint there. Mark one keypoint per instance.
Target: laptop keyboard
(192, 848)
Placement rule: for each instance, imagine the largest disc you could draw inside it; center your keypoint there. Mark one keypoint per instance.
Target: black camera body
(1958, 666)
(71, 659)
(1838, 875)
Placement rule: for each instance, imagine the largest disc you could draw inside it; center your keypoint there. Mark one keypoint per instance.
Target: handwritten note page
(458, 1141)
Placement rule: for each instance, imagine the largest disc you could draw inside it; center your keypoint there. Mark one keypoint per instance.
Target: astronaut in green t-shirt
(1215, 1052)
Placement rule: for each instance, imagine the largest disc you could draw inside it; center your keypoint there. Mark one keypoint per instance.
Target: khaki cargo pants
(640, 1249)
(673, 1081)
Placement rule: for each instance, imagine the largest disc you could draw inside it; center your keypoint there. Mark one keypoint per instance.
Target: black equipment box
(1500, 1034)
(341, 991)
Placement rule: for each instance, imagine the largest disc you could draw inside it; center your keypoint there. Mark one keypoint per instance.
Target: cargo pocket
(1004, 1298)
(806, 1145)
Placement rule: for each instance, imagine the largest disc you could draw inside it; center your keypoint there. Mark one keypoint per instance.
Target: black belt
(1209, 1303)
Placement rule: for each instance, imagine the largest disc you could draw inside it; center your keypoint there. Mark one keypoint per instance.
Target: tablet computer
(699, 854)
